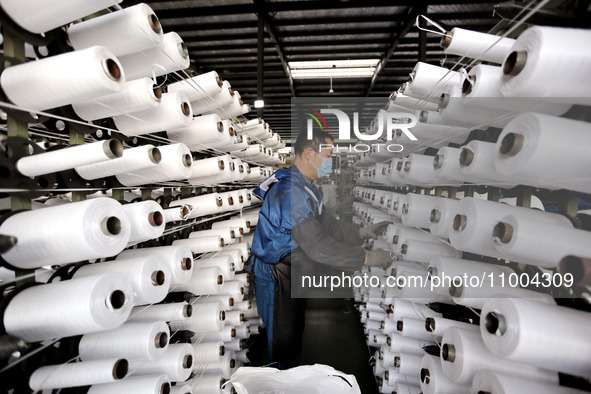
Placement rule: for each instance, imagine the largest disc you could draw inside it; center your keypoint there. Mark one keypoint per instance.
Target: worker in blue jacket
(293, 225)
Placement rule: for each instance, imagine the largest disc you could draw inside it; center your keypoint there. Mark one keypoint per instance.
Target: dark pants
(284, 316)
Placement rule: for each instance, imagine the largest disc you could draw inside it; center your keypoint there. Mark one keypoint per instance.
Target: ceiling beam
(261, 6)
(299, 5)
(410, 21)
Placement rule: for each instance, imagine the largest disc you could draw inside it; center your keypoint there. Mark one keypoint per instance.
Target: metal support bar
(413, 11)
(260, 61)
(260, 5)
(524, 198)
(493, 194)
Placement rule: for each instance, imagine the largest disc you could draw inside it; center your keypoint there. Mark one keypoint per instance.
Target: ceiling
(223, 35)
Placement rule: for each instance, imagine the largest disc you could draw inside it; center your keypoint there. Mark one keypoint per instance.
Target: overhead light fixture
(259, 103)
(360, 68)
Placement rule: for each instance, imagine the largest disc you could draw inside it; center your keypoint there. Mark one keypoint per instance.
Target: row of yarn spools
(410, 306)
(138, 106)
(525, 107)
(120, 306)
(149, 164)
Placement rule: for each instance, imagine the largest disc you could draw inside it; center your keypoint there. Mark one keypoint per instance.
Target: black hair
(303, 142)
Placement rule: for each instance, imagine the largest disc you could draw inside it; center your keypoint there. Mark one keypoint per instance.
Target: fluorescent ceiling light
(259, 103)
(362, 68)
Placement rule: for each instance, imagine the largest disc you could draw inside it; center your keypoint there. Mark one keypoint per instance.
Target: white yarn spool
(146, 220)
(148, 275)
(235, 255)
(207, 352)
(37, 17)
(475, 297)
(530, 151)
(87, 230)
(201, 87)
(463, 353)
(165, 312)
(242, 247)
(211, 166)
(241, 222)
(429, 81)
(423, 252)
(399, 344)
(133, 159)
(434, 118)
(392, 377)
(539, 55)
(404, 388)
(234, 288)
(225, 367)
(227, 234)
(203, 205)
(78, 374)
(438, 325)
(408, 364)
(124, 31)
(476, 163)
(226, 334)
(70, 157)
(400, 308)
(442, 267)
(176, 214)
(547, 336)
(416, 209)
(224, 263)
(180, 388)
(473, 224)
(243, 306)
(226, 300)
(545, 247)
(176, 363)
(447, 163)
(137, 95)
(202, 131)
(168, 56)
(413, 103)
(487, 381)
(206, 317)
(178, 258)
(133, 341)
(175, 164)
(234, 318)
(414, 328)
(63, 79)
(208, 106)
(477, 45)
(174, 112)
(158, 384)
(254, 329)
(235, 345)
(202, 245)
(442, 215)
(242, 356)
(207, 383)
(71, 307)
(432, 134)
(434, 381)
(418, 170)
(453, 106)
(207, 280)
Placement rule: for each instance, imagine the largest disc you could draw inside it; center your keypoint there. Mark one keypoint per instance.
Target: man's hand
(373, 230)
(378, 258)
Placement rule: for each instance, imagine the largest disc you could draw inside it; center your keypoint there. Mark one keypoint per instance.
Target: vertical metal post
(524, 198)
(493, 194)
(260, 60)
(14, 48)
(77, 138)
(422, 42)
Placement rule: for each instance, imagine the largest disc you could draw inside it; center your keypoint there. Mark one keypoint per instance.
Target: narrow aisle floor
(334, 336)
